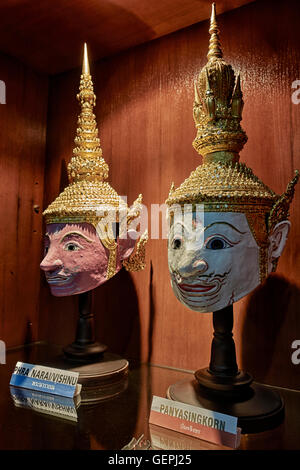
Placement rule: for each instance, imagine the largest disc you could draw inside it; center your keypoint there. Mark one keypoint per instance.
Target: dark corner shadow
(274, 302)
(64, 180)
(151, 314)
(138, 34)
(116, 310)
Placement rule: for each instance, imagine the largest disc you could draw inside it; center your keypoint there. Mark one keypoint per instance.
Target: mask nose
(191, 269)
(48, 264)
(200, 265)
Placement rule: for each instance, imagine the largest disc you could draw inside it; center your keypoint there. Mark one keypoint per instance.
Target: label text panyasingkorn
(193, 417)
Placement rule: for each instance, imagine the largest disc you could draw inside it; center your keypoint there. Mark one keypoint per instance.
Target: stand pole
(223, 373)
(85, 332)
(223, 357)
(85, 348)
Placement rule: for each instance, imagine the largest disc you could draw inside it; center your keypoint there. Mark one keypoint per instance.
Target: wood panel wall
(144, 111)
(29, 29)
(22, 158)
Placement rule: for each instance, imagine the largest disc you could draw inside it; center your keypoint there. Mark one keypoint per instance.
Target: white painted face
(213, 261)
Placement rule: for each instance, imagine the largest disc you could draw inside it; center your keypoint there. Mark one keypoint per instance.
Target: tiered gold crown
(218, 102)
(88, 192)
(222, 183)
(88, 197)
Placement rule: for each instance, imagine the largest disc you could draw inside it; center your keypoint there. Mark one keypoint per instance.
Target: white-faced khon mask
(234, 241)
(215, 260)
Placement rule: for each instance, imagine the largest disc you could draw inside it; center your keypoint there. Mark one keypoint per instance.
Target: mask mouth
(192, 289)
(58, 279)
(190, 292)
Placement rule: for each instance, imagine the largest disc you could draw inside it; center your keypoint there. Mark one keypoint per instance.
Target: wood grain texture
(144, 109)
(22, 159)
(48, 35)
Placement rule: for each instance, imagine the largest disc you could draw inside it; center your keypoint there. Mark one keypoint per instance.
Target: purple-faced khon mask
(89, 234)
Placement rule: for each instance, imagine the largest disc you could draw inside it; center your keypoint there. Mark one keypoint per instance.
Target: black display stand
(222, 387)
(85, 348)
(102, 374)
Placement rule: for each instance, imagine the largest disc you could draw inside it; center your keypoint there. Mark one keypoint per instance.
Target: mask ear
(277, 240)
(126, 245)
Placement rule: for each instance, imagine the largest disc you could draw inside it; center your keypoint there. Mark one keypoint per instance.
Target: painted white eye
(71, 247)
(217, 243)
(176, 243)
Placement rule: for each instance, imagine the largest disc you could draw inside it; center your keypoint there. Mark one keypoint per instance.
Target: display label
(46, 379)
(195, 421)
(62, 407)
(167, 439)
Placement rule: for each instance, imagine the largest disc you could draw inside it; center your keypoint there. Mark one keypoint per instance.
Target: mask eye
(176, 243)
(46, 249)
(217, 243)
(71, 247)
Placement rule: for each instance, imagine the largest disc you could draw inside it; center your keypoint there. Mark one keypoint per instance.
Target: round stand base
(85, 352)
(100, 380)
(212, 381)
(258, 408)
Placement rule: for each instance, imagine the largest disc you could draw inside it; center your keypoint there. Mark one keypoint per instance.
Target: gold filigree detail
(280, 210)
(218, 103)
(106, 235)
(87, 170)
(135, 211)
(136, 261)
(223, 184)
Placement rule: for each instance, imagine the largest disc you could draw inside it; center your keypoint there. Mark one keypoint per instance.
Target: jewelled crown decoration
(218, 104)
(87, 170)
(222, 183)
(88, 197)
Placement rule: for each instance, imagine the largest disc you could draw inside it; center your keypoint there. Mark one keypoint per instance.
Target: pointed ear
(277, 240)
(126, 245)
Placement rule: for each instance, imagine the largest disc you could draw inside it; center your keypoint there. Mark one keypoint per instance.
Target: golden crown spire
(214, 49)
(87, 162)
(85, 63)
(218, 105)
(87, 170)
